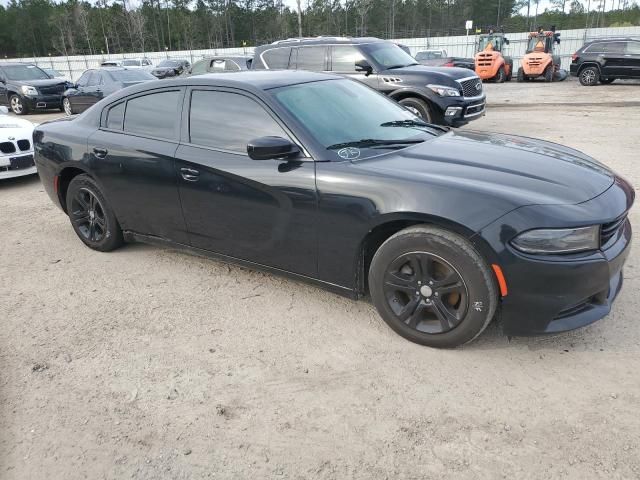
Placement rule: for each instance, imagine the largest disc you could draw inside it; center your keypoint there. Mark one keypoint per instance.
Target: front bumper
(458, 111)
(551, 294)
(37, 102)
(17, 166)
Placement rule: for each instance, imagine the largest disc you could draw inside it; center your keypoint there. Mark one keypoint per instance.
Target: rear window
(154, 115)
(131, 75)
(277, 58)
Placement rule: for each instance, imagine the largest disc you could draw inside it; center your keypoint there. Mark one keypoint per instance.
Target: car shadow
(18, 182)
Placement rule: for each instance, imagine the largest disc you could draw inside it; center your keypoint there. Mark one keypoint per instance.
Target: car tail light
(574, 57)
(56, 183)
(448, 64)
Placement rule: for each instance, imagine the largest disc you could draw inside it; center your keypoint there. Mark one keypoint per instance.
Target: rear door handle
(100, 152)
(189, 174)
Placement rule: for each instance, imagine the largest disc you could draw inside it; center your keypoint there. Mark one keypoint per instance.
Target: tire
(607, 81)
(418, 107)
(520, 76)
(589, 76)
(501, 75)
(452, 304)
(16, 102)
(99, 230)
(66, 106)
(548, 74)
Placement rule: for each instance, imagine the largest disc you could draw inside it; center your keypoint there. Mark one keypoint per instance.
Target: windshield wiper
(414, 123)
(402, 66)
(372, 142)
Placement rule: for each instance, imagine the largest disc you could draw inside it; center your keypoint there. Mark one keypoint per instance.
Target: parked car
(326, 180)
(170, 68)
(605, 60)
(143, 63)
(24, 87)
(439, 58)
(446, 96)
(16, 149)
(96, 84)
(220, 64)
(111, 63)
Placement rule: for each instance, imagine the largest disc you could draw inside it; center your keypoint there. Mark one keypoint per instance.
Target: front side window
(388, 55)
(633, 48)
(311, 58)
(115, 117)
(614, 47)
(84, 78)
(335, 112)
(215, 118)
(154, 115)
(277, 58)
(344, 58)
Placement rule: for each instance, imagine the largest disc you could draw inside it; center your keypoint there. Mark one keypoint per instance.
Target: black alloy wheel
(87, 214)
(589, 77)
(426, 292)
(91, 216)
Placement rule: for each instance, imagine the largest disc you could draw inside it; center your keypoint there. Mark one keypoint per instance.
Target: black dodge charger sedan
(322, 178)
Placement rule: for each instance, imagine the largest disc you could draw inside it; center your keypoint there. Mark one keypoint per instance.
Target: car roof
(612, 39)
(230, 57)
(15, 64)
(321, 41)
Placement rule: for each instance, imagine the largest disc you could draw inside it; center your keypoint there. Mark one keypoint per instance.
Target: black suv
(446, 96)
(604, 60)
(25, 87)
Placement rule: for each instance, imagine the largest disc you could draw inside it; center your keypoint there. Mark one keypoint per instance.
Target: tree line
(72, 27)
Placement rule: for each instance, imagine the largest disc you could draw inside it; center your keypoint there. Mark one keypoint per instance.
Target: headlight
(444, 91)
(558, 240)
(29, 90)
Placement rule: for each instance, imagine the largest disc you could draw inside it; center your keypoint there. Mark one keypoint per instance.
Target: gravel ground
(149, 363)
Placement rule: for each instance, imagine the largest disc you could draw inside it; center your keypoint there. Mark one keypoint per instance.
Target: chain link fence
(459, 46)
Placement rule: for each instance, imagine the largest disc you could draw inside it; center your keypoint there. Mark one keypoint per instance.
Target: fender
(405, 92)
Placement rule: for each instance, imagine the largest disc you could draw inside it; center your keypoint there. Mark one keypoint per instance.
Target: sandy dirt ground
(149, 363)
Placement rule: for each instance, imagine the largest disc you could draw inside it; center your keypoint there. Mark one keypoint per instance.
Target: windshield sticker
(349, 153)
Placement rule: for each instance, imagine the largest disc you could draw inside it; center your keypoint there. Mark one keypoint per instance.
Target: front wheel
(432, 287)
(91, 216)
(589, 77)
(418, 107)
(548, 74)
(17, 105)
(66, 106)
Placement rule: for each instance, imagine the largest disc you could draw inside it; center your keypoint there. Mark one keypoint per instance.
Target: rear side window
(215, 116)
(154, 115)
(311, 58)
(277, 58)
(115, 117)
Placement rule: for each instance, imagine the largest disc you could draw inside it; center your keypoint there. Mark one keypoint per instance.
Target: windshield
(24, 72)
(131, 63)
(491, 42)
(538, 44)
(339, 112)
(170, 63)
(131, 76)
(388, 55)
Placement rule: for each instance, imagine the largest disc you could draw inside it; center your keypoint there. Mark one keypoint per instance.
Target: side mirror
(270, 148)
(4, 110)
(364, 66)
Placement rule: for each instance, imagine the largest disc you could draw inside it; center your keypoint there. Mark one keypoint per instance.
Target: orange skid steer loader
(540, 61)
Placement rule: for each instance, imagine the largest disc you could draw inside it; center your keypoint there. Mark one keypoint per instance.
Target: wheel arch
(403, 93)
(588, 64)
(388, 225)
(64, 179)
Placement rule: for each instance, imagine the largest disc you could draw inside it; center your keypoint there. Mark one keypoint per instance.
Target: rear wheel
(501, 75)
(418, 107)
(607, 81)
(432, 287)
(589, 76)
(91, 216)
(548, 74)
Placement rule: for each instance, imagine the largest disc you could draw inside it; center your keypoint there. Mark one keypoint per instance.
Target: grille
(609, 230)
(471, 87)
(535, 61)
(24, 145)
(52, 90)
(7, 147)
(485, 59)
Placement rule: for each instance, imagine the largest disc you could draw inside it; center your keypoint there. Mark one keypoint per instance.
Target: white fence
(460, 46)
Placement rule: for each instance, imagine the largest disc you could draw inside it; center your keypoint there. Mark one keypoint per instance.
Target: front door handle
(189, 174)
(100, 152)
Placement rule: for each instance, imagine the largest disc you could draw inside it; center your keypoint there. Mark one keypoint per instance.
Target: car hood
(433, 73)
(521, 170)
(45, 82)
